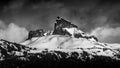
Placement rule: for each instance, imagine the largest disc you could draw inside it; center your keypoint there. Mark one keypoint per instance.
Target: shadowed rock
(37, 33)
(64, 27)
(61, 23)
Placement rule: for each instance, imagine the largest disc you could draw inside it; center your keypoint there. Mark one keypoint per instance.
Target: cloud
(14, 33)
(107, 34)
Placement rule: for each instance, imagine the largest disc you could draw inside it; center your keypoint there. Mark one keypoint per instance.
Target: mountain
(65, 46)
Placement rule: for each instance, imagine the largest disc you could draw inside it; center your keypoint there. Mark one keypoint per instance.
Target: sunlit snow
(60, 42)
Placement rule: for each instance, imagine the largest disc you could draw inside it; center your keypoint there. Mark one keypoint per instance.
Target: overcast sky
(92, 16)
(41, 13)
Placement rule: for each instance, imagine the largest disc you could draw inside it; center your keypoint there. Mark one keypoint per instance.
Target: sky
(96, 17)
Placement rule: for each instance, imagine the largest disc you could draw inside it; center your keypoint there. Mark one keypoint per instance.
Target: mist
(13, 33)
(107, 34)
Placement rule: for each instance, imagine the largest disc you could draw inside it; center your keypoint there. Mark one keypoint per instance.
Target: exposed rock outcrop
(60, 25)
(36, 33)
(64, 27)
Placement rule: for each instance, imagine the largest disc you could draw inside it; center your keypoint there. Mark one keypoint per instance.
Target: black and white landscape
(59, 33)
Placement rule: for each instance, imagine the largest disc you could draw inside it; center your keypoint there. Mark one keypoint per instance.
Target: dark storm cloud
(89, 15)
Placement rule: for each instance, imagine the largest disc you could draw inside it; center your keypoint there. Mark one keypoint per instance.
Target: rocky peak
(61, 23)
(36, 33)
(64, 27)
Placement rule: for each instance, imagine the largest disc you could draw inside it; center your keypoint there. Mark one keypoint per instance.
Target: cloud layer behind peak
(107, 34)
(13, 33)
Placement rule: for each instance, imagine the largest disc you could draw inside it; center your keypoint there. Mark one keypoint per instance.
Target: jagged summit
(62, 27)
(64, 23)
(58, 29)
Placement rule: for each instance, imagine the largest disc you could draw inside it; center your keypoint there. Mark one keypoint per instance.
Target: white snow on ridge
(73, 31)
(67, 43)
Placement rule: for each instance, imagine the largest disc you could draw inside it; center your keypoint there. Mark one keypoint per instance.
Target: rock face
(65, 46)
(37, 33)
(61, 23)
(63, 27)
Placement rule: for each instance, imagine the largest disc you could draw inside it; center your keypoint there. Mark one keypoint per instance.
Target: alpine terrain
(65, 46)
